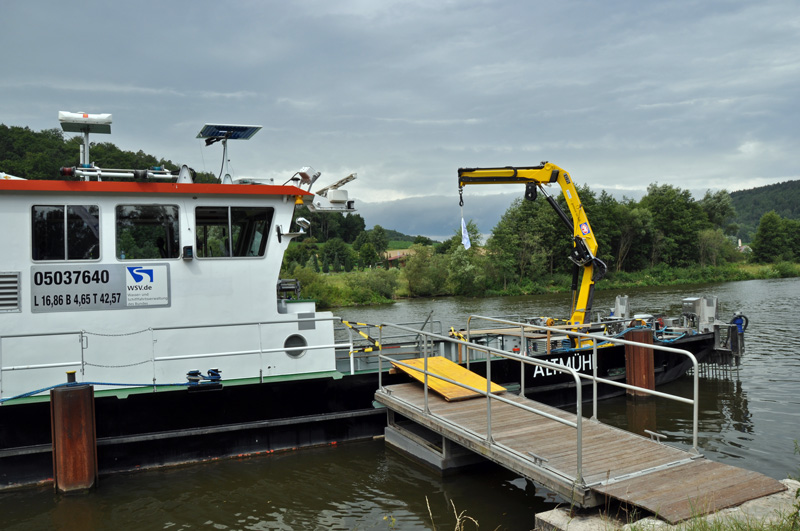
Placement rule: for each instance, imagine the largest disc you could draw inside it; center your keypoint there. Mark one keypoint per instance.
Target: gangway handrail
(433, 322)
(694, 401)
(578, 424)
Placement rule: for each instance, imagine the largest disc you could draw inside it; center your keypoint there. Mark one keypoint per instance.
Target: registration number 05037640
(70, 277)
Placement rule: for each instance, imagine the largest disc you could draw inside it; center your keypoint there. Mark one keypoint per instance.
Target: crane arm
(584, 249)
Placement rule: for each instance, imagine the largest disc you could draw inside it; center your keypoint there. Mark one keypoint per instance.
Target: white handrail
(595, 379)
(578, 424)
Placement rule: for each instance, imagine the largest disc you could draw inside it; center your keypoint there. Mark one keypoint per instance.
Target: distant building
(743, 248)
(396, 256)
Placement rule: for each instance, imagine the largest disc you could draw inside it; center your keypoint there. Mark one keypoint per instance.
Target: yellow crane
(584, 243)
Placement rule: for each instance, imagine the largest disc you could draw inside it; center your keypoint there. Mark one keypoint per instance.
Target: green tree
(377, 237)
(515, 244)
(710, 246)
(677, 218)
(720, 211)
(352, 226)
(791, 227)
(299, 253)
(770, 243)
(334, 253)
(635, 230)
(367, 257)
(426, 272)
(360, 240)
(465, 273)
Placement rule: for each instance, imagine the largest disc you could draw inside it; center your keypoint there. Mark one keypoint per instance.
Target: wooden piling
(639, 369)
(74, 438)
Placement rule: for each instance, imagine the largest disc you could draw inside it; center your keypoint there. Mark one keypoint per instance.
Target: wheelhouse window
(232, 231)
(147, 232)
(65, 232)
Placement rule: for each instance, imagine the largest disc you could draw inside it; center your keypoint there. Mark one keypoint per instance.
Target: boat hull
(166, 428)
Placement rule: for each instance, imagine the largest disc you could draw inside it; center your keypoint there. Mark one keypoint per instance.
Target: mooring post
(639, 368)
(74, 438)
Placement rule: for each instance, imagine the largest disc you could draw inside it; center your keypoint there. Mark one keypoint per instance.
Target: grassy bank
(659, 276)
(380, 286)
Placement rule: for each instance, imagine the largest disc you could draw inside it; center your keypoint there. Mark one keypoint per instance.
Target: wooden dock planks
(697, 488)
(670, 482)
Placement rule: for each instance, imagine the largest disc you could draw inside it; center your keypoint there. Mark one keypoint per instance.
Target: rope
(672, 339)
(73, 384)
(117, 366)
(116, 335)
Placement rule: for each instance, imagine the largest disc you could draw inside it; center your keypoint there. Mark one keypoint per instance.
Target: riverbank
(381, 286)
(778, 512)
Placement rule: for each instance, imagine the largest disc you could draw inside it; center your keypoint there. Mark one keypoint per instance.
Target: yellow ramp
(453, 371)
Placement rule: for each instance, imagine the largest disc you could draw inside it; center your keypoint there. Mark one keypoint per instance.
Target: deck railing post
(380, 357)
(524, 352)
(594, 379)
(84, 339)
(695, 406)
(579, 428)
(153, 353)
(469, 340)
(488, 396)
(425, 373)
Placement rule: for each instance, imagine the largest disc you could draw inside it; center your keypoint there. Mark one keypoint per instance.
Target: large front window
(232, 231)
(70, 232)
(147, 232)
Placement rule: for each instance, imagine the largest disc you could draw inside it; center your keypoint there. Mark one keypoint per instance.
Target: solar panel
(232, 132)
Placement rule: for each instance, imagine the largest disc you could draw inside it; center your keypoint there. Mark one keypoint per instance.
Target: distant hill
(39, 155)
(783, 198)
(398, 236)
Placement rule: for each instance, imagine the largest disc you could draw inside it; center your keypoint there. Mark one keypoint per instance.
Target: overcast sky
(701, 95)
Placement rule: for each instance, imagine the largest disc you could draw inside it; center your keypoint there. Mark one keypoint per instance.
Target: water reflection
(354, 486)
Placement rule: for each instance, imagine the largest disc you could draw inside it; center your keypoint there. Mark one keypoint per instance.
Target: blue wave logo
(138, 273)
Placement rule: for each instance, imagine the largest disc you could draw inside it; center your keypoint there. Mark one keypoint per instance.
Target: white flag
(465, 235)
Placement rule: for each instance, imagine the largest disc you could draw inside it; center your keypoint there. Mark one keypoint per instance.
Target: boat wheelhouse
(138, 283)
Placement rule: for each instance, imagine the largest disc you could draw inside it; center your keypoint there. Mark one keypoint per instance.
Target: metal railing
(494, 353)
(82, 339)
(596, 338)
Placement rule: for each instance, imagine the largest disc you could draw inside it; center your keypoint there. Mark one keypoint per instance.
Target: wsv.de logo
(142, 277)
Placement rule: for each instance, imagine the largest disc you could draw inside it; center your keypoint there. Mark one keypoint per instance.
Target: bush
(373, 285)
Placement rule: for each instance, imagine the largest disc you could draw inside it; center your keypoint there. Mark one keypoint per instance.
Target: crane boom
(584, 243)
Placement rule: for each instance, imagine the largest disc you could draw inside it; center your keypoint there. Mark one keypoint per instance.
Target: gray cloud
(621, 93)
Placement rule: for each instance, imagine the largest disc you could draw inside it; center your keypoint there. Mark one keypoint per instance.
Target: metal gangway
(581, 459)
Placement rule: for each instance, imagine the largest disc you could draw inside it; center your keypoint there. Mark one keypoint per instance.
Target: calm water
(749, 418)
